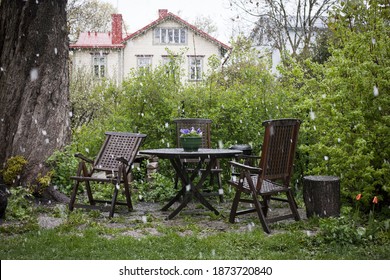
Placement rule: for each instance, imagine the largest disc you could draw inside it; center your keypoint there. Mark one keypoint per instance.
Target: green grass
(56, 245)
(88, 236)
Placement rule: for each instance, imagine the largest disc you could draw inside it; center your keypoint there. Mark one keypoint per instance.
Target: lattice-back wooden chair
(273, 175)
(205, 127)
(112, 165)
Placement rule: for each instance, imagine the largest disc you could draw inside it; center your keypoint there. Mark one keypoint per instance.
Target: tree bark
(34, 82)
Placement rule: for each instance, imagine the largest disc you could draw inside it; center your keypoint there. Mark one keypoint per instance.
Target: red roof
(95, 40)
(164, 16)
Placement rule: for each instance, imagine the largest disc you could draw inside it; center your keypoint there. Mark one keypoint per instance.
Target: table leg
(189, 189)
(179, 169)
(196, 190)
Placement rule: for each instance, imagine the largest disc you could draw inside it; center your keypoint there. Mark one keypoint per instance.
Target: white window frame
(99, 65)
(195, 68)
(170, 36)
(144, 62)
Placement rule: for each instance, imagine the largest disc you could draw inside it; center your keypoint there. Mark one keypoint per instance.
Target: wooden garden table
(190, 189)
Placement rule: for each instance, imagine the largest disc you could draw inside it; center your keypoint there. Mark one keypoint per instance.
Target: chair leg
(266, 200)
(127, 193)
(89, 193)
(80, 169)
(260, 213)
(293, 206)
(73, 196)
(87, 185)
(233, 210)
(113, 202)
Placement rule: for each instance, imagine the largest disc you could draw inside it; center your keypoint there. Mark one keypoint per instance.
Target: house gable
(165, 16)
(144, 48)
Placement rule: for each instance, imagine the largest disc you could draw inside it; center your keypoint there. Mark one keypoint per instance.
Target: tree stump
(321, 195)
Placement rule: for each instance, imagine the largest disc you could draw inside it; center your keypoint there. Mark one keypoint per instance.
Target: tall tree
(88, 15)
(285, 24)
(34, 88)
(206, 24)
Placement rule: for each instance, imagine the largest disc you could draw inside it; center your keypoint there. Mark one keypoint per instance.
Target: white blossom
(312, 114)
(376, 91)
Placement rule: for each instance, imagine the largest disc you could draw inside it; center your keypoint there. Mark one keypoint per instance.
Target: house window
(144, 62)
(99, 65)
(195, 64)
(170, 36)
(170, 64)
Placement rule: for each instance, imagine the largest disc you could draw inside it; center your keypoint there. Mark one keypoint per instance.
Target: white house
(113, 55)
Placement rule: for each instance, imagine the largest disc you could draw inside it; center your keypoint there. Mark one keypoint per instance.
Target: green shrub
(20, 205)
(63, 165)
(349, 229)
(345, 105)
(158, 189)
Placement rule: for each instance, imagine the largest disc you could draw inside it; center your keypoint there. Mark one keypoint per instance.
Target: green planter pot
(191, 144)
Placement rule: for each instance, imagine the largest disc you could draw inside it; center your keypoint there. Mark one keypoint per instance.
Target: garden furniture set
(261, 183)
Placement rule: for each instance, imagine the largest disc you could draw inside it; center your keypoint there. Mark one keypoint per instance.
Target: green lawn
(90, 236)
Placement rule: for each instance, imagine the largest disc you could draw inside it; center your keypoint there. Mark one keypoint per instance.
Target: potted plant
(190, 139)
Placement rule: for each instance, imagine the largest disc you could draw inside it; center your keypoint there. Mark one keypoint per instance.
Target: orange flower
(375, 200)
(359, 196)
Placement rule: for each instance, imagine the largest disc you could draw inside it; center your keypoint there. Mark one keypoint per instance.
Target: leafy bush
(63, 164)
(352, 229)
(157, 190)
(20, 205)
(345, 105)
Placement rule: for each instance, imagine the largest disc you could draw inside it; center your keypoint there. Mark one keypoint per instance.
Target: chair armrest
(84, 158)
(246, 167)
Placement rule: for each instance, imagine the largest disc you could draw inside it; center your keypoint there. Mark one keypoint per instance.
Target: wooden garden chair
(272, 177)
(205, 127)
(112, 165)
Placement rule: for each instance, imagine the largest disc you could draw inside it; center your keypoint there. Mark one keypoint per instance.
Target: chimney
(162, 12)
(116, 28)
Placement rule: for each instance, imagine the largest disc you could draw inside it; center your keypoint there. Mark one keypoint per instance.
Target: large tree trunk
(34, 82)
